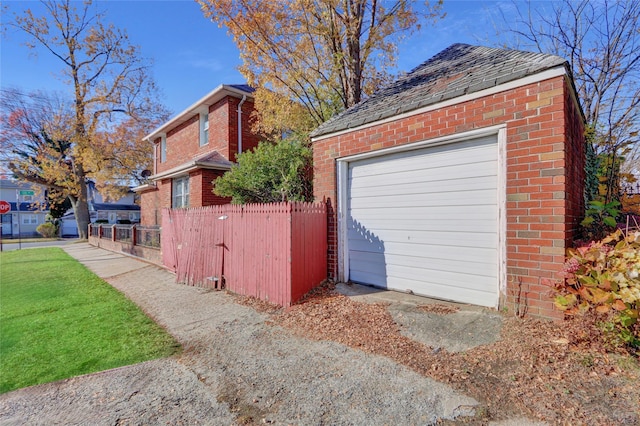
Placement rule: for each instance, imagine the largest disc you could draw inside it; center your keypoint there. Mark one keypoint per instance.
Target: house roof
(213, 160)
(235, 90)
(28, 207)
(460, 69)
(114, 207)
(14, 184)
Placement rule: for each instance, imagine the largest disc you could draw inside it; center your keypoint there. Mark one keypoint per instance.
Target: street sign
(4, 207)
(26, 192)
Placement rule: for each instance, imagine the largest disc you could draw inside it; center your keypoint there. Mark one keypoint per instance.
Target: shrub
(47, 230)
(600, 219)
(270, 173)
(605, 276)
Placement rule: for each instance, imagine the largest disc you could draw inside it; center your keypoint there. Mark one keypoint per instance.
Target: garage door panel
(451, 174)
(428, 252)
(456, 199)
(366, 188)
(427, 221)
(366, 266)
(369, 277)
(410, 225)
(437, 159)
(433, 213)
(430, 238)
(444, 291)
(482, 283)
(436, 263)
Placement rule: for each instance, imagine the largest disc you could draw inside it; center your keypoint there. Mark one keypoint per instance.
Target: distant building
(28, 208)
(124, 210)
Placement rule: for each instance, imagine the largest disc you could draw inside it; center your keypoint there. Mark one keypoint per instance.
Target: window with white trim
(180, 193)
(29, 219)
(163, 148)
(204, 128)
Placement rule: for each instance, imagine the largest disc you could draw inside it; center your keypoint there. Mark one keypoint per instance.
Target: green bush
(47, 230)
(600, 219)
(605, 276)
(270, 173)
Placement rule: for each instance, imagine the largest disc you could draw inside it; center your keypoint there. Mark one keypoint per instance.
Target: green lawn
(58, 320)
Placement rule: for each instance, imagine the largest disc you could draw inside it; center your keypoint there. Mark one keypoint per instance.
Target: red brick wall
(220, 123)
(208, 197)
(576, 174)
(544, 152)
(149, 207)
(164, 195)
(201, 188)
(249, 139)
(183, 142)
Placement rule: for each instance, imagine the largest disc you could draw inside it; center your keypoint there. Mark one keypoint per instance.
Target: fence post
(99, 231)
(113, 233)
(134, 239)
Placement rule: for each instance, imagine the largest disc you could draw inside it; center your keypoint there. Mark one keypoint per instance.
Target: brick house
(194, 148)
(462, 180)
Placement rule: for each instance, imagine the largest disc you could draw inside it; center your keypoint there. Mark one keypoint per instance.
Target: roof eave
(551, 72)
(144, 187)
(189, 167)
(209, 99)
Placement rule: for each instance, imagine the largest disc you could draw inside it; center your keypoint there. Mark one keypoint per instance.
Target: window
(163, 148)
(180, 198)
(204, 128)
(29, 219)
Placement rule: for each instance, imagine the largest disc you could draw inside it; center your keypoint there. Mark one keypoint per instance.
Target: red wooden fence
(276, 252)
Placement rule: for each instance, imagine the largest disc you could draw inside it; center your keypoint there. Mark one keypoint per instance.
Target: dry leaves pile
(542, 370)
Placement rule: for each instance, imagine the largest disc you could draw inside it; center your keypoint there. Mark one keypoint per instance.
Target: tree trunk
(81, 207)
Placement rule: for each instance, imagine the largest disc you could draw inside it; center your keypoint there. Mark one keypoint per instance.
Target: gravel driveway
(236, 368)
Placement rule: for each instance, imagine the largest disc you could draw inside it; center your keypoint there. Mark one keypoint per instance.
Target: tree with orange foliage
(310, 59)
(111, 90)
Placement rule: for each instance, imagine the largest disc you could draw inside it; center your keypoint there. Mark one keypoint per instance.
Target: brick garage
(186, 150)
(517, 113)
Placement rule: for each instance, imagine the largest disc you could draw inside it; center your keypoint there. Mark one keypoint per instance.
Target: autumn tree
(110, 84)
(310, 59)
(35, 141)
(601, 41)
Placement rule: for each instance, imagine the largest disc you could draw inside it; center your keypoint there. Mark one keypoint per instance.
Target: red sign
(4, 207)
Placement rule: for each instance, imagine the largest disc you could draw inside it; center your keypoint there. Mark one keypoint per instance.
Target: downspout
(244, 98)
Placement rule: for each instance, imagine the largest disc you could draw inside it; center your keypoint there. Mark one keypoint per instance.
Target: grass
(59, 320)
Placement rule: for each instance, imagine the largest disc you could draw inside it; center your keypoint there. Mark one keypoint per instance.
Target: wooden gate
(192, 244)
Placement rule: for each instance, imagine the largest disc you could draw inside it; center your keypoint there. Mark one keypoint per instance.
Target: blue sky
(192, 55)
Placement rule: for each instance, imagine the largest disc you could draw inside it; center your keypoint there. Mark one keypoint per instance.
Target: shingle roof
(243, 87)
(113, 206)
(458, 70)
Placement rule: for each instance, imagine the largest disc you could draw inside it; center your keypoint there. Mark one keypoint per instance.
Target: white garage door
(427, 221)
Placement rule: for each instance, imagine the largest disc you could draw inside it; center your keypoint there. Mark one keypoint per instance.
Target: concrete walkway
(236, 368)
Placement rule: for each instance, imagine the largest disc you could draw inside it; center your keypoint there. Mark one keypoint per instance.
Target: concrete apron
(471, 326)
